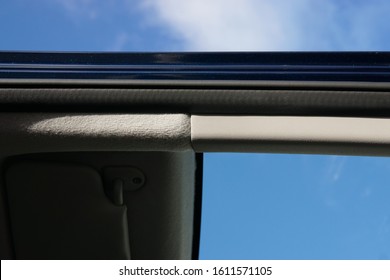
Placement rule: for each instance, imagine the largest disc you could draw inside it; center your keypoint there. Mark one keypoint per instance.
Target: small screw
(137, 180)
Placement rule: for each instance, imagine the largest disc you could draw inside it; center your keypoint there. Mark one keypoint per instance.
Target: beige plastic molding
(312, 135)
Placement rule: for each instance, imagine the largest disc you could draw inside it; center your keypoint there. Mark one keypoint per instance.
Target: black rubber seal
(197, 206)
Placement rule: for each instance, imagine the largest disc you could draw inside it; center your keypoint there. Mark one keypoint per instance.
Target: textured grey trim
(54, 132)
(200, 101)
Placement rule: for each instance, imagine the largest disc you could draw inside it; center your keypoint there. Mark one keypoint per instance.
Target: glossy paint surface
(288, 66)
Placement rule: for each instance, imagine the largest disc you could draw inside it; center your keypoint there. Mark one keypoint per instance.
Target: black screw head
(137, 180)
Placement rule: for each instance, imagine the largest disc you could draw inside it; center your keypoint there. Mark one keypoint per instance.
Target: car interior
(102, 153)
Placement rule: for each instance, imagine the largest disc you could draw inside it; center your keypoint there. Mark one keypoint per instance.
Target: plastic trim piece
(298, 102)
(314, 135)
(60, 211)
(55, 132)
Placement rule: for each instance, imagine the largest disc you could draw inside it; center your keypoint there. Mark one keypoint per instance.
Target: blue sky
(255, 206)
(199, 25)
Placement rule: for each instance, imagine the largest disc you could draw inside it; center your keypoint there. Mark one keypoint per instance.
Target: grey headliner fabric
(44, 132)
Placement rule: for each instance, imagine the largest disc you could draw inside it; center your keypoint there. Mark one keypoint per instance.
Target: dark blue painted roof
(301, 66)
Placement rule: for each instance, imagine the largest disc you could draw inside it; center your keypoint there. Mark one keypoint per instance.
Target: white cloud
(273, 25)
